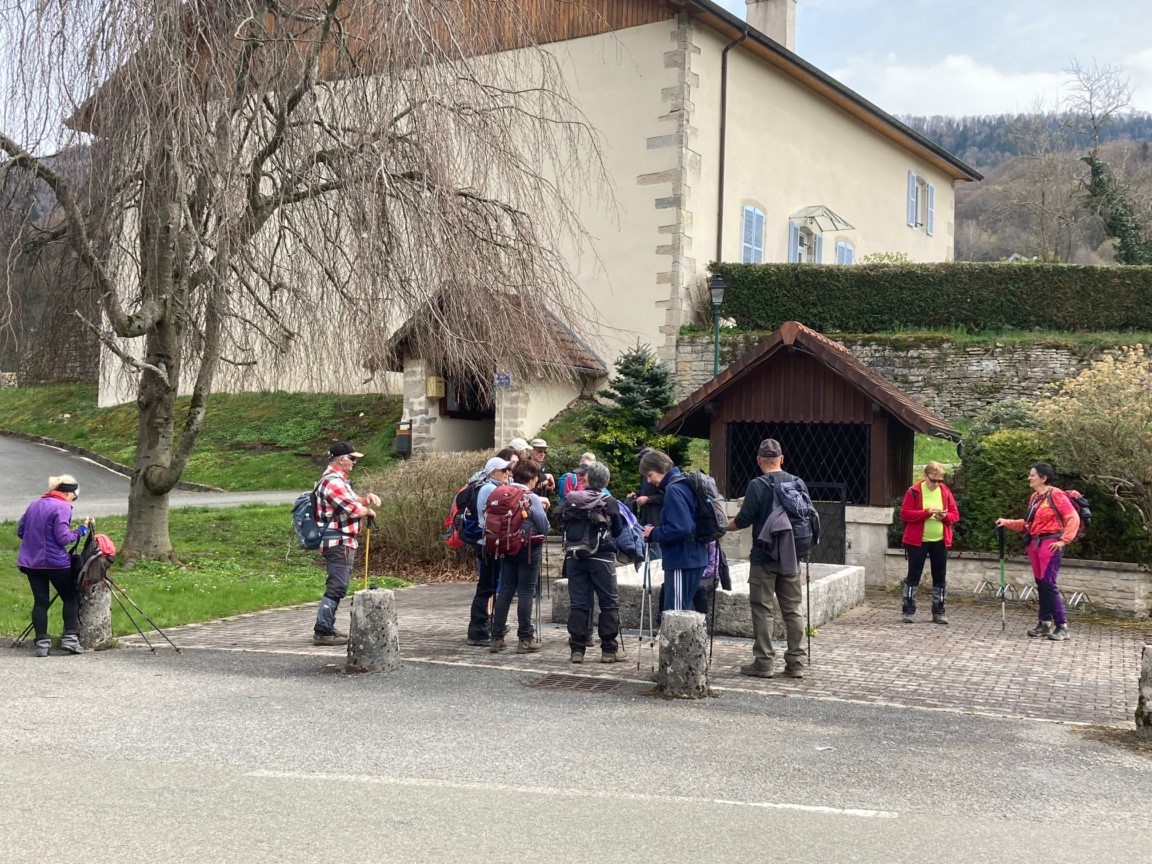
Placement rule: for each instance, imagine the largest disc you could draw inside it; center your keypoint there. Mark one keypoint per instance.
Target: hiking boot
(328, 639)
(1044, 628)
(754, 671)
(794, 671)
(939, 619)
(577, 657)
(497, 645)
(339, 634)
(43, 646)
(528, 646)
(907, 618)
(1059, 634)
(70, 642)
(480, 643)
(616, 656)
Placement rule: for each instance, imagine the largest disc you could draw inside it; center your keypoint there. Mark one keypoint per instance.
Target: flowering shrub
(1099, 424)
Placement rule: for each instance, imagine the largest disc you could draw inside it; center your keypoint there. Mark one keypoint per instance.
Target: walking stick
(124, 594)
(1003, 585)
(808, 605)
(19, 640)
(712, 623)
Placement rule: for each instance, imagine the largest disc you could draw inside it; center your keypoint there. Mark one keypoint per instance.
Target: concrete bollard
(1144, 703)
(95, 615)
(374, 637)
(683, 670)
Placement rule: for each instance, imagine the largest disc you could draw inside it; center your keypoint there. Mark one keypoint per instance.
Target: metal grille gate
(821, 453)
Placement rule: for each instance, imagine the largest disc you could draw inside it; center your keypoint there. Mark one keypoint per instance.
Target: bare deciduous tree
(282, 182)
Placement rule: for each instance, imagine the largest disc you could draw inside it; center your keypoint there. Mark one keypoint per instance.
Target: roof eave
(732, 26)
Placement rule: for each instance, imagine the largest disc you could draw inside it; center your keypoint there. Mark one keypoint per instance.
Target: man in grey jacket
(772, 573)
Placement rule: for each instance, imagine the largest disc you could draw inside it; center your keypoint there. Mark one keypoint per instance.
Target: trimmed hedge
(885, 297)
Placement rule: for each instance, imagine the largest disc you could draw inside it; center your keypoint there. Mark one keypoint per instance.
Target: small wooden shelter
(842, 426)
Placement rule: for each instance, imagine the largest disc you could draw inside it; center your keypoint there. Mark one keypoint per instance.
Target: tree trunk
(147, 535)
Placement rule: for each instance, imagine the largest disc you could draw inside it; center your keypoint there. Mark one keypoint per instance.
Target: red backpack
(505, 531)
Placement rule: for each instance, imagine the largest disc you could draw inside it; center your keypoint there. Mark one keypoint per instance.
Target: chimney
(776, 19)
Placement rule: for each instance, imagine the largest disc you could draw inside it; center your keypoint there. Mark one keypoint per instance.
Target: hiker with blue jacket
(684, 556)
(591, 518)
(774, 569)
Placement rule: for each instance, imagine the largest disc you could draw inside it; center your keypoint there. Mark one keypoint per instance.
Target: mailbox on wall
(434, 388)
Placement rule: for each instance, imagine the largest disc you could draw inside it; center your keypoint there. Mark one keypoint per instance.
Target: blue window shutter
(758, 236)
(849, 254)
(912, 199)
(793, 242)
(931, 224)
(819, 258)
(746, 242)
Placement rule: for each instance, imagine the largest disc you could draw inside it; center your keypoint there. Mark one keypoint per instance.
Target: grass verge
(251, 441)
(236, 560)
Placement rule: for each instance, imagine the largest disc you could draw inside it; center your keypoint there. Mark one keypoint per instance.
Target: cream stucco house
(723, 144)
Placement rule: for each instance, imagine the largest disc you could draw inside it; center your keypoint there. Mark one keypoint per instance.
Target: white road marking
(563, 792)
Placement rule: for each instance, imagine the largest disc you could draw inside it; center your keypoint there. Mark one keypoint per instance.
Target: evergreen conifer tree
(642, 389)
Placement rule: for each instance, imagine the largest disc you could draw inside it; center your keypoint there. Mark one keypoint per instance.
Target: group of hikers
(502, 514)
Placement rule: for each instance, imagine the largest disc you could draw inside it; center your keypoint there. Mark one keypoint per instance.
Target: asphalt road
(25, 468)
(208, 756)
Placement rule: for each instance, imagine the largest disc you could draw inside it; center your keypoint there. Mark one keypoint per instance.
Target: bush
(880, 298)
(1100, 422)
(416, 495)
(616, 443)
(993, 484)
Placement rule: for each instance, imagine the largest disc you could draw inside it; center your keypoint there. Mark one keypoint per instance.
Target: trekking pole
(712, 623)
(643, 593)
(141, 611)
(539, 603)
(1003, 584)
(151, 647)
(19, 640)
(808, 605)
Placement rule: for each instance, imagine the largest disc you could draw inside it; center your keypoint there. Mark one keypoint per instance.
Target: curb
(103, 461)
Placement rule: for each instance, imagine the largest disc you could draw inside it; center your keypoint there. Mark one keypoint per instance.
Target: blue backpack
(630, 543)
(308, 533)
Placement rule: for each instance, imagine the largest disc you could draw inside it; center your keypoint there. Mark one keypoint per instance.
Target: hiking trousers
(338, 562)
(42, 580)
(936, 552)
(679, 588)
(588, 576)
(1045, 568)
(487, 571)
(518, 579)
(764, 584)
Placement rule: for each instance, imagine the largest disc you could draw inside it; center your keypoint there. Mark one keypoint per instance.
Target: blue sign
(502, 379)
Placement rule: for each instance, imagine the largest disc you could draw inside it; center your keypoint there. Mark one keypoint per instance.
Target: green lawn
(237, 560)
(250, 441)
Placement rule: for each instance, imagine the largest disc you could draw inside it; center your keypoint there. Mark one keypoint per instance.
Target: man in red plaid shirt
(340, 513)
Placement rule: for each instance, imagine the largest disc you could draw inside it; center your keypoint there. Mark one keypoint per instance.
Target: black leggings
(937, 553)
(43, 579)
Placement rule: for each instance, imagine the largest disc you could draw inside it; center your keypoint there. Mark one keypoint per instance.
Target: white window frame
(845, 253)
(752, 235)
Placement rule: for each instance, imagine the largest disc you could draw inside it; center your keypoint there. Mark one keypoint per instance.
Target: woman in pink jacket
(928, 512)
(1051, 523)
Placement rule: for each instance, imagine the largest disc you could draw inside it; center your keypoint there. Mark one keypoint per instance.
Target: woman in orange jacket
(1051, 523)
(928, 512)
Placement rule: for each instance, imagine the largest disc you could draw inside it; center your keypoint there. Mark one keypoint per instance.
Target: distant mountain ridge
(988, 141)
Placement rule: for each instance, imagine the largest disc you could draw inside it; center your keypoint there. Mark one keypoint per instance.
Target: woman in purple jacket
(45, 534)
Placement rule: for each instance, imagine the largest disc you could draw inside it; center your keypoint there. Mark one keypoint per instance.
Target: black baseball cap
(343, 448)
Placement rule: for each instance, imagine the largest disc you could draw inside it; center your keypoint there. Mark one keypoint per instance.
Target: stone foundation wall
(952, 380)
(1120, 589)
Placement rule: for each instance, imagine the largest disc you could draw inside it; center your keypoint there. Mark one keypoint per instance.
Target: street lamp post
(716, 289)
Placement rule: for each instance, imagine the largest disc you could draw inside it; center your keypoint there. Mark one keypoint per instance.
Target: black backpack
(466, 521)
(585, 520)
(791, 494)
(1077, 500)
(711, 517)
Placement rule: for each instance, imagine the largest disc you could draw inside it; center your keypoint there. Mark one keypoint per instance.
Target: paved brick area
(868, 655)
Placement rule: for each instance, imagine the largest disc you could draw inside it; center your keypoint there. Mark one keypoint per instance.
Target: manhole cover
(579, 683)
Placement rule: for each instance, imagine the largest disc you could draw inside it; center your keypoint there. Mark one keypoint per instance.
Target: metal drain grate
(579, 683)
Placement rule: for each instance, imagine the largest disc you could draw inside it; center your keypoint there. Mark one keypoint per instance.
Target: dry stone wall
(955, 381)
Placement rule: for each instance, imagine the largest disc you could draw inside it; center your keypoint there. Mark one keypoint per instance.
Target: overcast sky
(973, 57)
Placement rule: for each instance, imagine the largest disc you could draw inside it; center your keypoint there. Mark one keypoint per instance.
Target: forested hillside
(993, 139)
